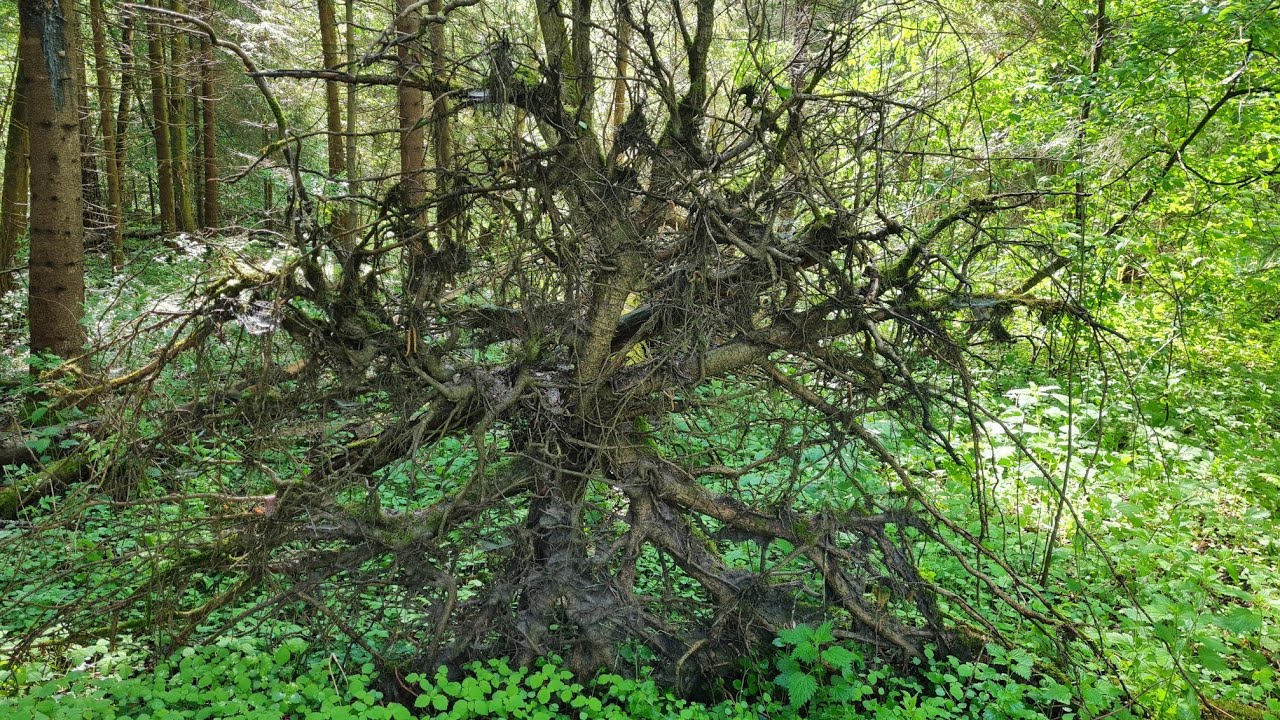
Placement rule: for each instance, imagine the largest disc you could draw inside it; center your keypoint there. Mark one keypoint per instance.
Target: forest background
(640, 358)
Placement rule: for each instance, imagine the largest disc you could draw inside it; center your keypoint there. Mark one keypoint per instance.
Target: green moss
(373, 323)
(1234, 710)
(803, 531)
(9, 503)
(526, 77)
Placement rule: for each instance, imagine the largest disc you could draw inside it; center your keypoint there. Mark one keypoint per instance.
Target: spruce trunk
(49, 53)
(160, 114)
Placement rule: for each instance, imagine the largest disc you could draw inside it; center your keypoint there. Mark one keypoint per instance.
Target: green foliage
(548, 692)
(824, 678)
(234, 678)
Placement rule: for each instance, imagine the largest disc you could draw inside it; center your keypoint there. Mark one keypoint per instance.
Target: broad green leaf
(806, 652)
(801, 689)
(1211, 660)
(795, 635)
(1058, 693)
(1240, 621)
(838, 657)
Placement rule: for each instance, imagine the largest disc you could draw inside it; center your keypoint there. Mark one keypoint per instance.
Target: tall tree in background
(96, 220)
(107, 120)
(208, 134)
(179, 113)
(13, 196)
(196, 119)
(126, 93)
(622, 63)
(160, 115)
(412, 143)
(50, 57)
(353, 186)
(448, 206)
(332, 102)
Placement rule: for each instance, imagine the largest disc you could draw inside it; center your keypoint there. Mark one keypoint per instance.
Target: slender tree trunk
(107, 120)
(412, 142)
(197, 156)
(333, 104)
(1086, 109)
(9, 95)
(179, 113)
(126, 93)
(94, 205)
(622, 66)
(13, 196)
(160, 115)
(50, 58)
(353, 186)
(209, 126)
(267, 188)
(448, 209)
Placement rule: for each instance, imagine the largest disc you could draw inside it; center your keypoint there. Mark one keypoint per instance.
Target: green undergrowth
(234, 678)
(814, 676)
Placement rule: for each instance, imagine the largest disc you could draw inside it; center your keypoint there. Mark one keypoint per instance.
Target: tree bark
(353, 186)
(412, 141)
(209, 127)
(449, 208)
(333, 103)
(268, 186)
(621, 67)
(96, 219)
(160, 116)
(126, 94)
(179, 113)
(107, 120)
(197, 148)
(13, 196)
(49, 54)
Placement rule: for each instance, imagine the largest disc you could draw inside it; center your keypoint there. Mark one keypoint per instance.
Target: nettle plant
(818, 670)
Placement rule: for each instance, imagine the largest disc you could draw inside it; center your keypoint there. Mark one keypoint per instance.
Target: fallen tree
(640, 345)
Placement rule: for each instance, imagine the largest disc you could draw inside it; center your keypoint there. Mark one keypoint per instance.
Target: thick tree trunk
(13, 196)
(107, 120)
(160, 114)
(50, 56)
(179, 113)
